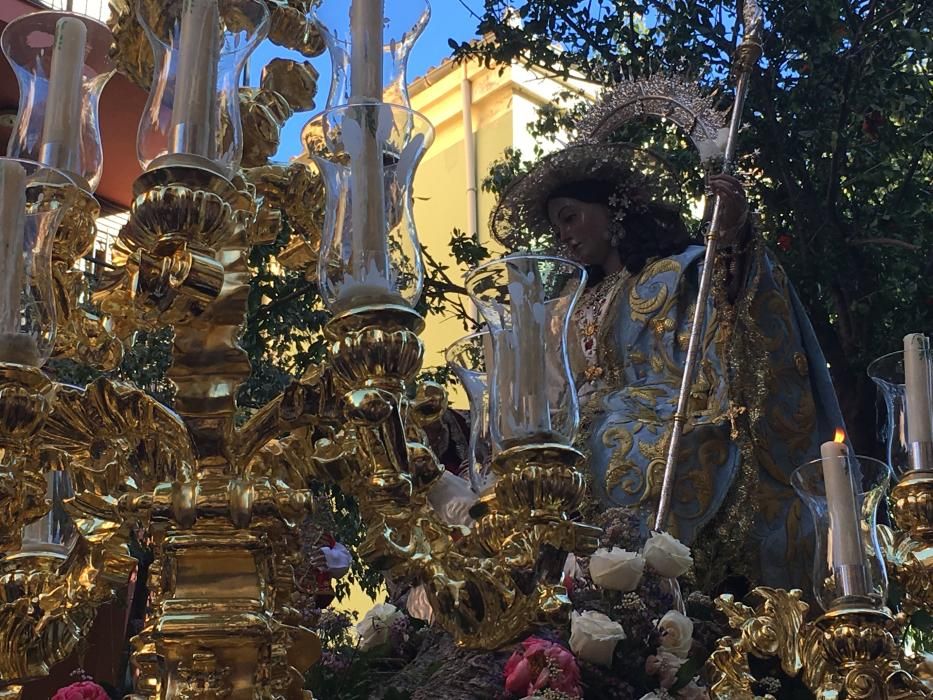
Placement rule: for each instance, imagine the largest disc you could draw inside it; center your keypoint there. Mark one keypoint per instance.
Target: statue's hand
(734, 208)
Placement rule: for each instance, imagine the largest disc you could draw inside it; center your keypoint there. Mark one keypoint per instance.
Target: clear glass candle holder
(887, 372)
(848, 564)
(54, 533)
(467, 358)
(401, 28)
(527, 302)
(192, 115)
(369, 249)
(28, 221)
(73, 144)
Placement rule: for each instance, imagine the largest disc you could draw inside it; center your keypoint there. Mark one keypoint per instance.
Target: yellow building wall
(441, 188)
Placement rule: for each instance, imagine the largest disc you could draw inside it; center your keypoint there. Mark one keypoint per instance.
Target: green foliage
(144, 365)
(282, 332)
(835, 152)
(350, 673)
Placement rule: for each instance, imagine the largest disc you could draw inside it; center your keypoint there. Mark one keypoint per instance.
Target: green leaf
(686, 673)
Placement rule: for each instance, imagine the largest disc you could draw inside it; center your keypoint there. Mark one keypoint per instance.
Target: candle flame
(840, 435)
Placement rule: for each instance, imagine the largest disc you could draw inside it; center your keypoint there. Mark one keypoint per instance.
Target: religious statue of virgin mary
(761, 401)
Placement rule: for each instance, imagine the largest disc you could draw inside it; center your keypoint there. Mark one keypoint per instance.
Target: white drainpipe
(469, 145)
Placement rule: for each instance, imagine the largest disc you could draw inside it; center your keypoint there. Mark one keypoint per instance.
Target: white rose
(373, 629)
(616, 569)
(676, 633)
(418, 605)
(593, 637)
(451, 498)
(667, 555)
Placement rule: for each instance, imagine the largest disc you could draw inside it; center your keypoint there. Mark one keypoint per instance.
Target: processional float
(84, 469)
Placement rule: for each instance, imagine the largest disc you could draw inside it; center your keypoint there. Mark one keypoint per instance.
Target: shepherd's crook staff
(746, 58)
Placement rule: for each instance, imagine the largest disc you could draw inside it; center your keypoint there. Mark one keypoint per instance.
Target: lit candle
(369, 270)
(61, 128)
(15, 347)
(919, 409)
(846, 552)
(194, 108)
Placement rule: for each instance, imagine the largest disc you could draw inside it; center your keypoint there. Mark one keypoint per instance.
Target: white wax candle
(366, 25)
(369, 254)
(61, 128)
(526, 296)
(848, 559)
(917, 385)
(194, 109)
(12, 228)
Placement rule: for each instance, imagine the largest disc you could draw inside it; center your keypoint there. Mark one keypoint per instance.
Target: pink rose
(517, 674)
(665, 666)
(85, 690)
(539, 665)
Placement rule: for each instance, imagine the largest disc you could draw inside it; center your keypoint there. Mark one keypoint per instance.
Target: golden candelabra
(220, 504)
(855, 649)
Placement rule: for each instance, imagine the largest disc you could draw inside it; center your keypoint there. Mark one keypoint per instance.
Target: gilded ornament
(851, 650)
(295, 81)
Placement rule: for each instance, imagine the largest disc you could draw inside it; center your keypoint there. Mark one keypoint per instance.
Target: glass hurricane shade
(401, 30)
(54, 533)
(192, 115)
(73, 141)
(887, 372)
(527, 302)
(369, 248)
(27, 229)
(467, 359)
(834, 562)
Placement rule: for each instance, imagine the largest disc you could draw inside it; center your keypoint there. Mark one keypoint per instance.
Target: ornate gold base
(851, 652)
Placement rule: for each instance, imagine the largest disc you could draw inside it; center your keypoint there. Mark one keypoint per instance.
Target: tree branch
(890, 242)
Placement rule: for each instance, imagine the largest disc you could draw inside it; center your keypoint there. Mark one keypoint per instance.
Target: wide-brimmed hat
(641, 176)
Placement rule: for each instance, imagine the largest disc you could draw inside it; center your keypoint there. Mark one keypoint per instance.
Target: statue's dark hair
(651, 229)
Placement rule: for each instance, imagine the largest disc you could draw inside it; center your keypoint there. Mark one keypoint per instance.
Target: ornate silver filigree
(671, 97)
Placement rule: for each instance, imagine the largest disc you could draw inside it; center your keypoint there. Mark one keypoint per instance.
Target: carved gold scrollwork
(850, 651)
(25, 401)
(167, 271)
(80, 334)
(487, 585)
(290, 27)
(286, 87)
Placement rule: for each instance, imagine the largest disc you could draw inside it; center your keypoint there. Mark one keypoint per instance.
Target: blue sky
(449, 19)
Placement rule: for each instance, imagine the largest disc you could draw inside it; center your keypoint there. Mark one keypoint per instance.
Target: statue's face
(583, 227)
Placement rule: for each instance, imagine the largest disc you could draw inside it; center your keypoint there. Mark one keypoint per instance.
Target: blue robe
(761, 404)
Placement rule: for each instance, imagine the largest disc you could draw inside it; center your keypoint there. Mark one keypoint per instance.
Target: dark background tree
(836, 148)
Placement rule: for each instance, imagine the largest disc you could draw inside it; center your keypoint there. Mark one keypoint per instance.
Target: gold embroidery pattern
(644, 307)
(621, 470)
